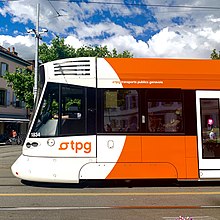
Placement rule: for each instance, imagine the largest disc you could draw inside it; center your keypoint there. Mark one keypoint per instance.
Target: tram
(124, 118)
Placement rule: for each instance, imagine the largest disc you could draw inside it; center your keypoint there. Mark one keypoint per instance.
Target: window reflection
(164, 116)
(121, 111)
(210, 128)
(72, 114)
(62, 112)
(46, 123)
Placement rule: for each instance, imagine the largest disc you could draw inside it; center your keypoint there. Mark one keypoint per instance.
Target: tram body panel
(85, 150)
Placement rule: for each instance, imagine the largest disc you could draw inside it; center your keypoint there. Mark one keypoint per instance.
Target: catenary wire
(131, 4)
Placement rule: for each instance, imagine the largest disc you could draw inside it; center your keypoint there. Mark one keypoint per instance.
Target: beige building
(13, 114)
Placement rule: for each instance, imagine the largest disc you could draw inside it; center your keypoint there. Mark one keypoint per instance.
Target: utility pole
(37, 35)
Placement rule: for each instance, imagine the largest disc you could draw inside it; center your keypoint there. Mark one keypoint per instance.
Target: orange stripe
(157, 157)
(173, 73)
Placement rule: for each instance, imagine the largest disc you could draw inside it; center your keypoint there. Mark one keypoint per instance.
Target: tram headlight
(50, 142)
(28, 145)
(34, 144)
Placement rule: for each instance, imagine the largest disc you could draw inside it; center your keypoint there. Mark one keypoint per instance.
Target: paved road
(103, 200)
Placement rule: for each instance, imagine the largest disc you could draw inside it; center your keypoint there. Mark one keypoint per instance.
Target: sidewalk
(8, 145)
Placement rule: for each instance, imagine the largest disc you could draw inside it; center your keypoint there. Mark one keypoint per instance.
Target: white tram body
(78, 97)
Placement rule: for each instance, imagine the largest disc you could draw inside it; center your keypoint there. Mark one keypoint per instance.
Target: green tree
(22, 82)
(59, 50)
(214, 55)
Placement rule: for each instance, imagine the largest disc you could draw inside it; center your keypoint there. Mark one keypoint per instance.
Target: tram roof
(139, 72)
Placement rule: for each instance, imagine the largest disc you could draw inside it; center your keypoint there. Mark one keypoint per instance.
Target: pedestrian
(14, 134)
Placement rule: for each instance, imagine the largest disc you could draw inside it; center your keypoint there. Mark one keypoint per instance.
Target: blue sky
(146, 28)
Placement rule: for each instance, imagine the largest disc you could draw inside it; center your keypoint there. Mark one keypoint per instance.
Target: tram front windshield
(61, 112)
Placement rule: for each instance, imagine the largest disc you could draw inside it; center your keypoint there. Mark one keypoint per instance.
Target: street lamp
(37, 35)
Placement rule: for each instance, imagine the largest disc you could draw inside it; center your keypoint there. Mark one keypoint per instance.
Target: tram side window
(72, 114)
(165, 112)
(121, 113)
(210, 128)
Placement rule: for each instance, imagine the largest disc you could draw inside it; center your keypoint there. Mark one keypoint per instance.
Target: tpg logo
(76, 146)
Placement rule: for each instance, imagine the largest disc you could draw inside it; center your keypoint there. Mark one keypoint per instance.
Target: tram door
(208, 129)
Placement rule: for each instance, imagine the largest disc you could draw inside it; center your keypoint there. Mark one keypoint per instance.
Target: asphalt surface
(167, 200)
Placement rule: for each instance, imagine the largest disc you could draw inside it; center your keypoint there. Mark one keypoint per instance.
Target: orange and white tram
(124, 118)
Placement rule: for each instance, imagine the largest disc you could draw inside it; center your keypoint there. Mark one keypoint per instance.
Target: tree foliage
(215, 55)
(22, 82)
(59, 50)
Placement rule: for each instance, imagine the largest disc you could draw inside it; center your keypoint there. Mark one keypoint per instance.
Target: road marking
(100, 207)
(192, 217)
(48, 208)
(109, 194)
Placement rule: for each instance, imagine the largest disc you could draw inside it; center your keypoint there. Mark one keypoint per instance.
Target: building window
(2, 97)
(4, 68)
(16, 102)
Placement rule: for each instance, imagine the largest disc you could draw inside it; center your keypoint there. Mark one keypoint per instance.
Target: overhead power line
(143, 5)
(130, 4)
(58, 14)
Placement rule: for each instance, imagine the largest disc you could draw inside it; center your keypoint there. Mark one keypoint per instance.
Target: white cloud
(98, 30)
(126, 42)
(19, 11)
(74, 42)
(178, 32)
(24, 45)
(210, 34)
(72, 15)
(166, 43)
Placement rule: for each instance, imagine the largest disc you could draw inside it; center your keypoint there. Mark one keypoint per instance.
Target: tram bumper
(41, 169)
